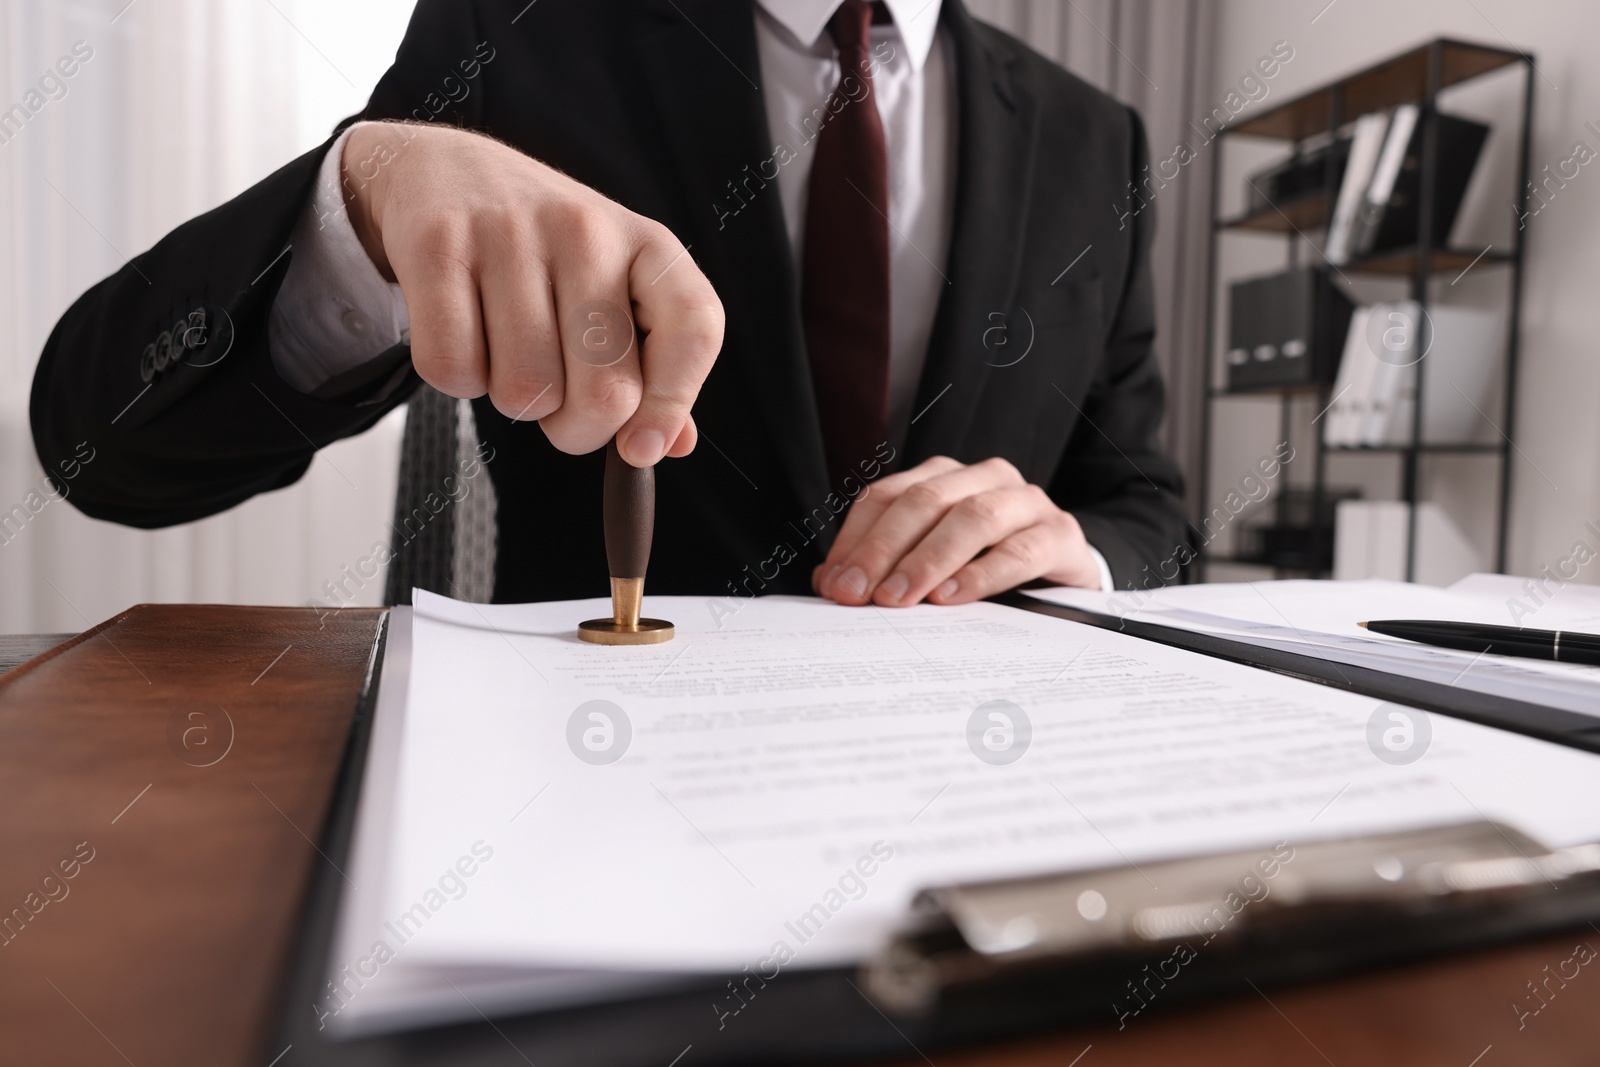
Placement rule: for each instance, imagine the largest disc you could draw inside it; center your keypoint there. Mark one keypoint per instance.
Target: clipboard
(982, 990)
(1559, 725)
(1314, 908)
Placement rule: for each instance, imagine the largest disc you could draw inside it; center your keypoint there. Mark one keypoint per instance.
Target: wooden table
(170, 942)
(17, 649)
(179, 762)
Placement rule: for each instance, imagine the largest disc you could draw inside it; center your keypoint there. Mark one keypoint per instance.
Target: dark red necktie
(844, 296)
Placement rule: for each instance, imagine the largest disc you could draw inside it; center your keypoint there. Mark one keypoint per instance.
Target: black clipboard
(827, 1015)
(1559, 725)
(800, 1017)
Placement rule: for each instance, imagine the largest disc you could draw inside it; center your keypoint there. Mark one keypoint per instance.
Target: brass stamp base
(611, 632)
(625, 627)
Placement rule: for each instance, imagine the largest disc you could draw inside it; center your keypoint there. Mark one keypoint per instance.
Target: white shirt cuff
(334, 311)
(1106, 585)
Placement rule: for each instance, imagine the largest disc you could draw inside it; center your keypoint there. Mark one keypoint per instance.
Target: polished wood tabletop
(17, 649)
(166, 779)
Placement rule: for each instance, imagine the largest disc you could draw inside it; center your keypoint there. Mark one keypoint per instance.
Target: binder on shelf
(1392, 205)
(1375, 393)
(1352, 387)
(1285, 329)
(1333, 903)
(1391, 342)
(1301, 176)
(1384, 174)
(1365, 144)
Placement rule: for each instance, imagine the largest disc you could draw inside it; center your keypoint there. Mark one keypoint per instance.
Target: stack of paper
(544, 821)
(1319, 619)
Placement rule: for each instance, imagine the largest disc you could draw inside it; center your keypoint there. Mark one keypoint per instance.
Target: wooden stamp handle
(629, 518)
(629, 514)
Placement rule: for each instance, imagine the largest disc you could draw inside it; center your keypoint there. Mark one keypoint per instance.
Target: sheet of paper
(1319, 619)
(373, 984)
(790, 778)
(1547, 603)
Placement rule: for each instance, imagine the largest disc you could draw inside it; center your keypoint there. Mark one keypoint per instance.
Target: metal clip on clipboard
(1277, 912)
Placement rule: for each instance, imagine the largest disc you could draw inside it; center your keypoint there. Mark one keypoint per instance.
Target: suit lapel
(996, 138)
(701, 61)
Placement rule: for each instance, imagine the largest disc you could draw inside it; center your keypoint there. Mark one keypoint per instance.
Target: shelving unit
(1416, 76)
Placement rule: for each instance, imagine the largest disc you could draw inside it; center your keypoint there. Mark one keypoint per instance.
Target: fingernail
(895, 587)
(833, 572)
(646, 447)
(855, 581)
(948, 589)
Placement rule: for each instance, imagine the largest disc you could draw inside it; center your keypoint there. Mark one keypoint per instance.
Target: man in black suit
(922, 280)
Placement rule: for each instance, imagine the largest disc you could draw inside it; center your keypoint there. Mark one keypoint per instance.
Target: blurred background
(178, 105)
(183, 105)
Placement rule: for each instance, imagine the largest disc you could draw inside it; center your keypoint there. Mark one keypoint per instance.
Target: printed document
(544, 820)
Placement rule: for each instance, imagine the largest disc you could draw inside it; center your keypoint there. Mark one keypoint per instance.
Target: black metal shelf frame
(1416, 76)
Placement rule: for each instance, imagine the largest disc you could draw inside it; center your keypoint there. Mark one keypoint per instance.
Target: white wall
(1556, 476)
(183, 104)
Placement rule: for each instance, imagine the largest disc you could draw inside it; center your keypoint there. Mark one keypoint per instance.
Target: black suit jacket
(656, 104)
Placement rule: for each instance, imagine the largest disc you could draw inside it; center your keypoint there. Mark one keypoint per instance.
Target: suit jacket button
(163, 351)
(358, 324)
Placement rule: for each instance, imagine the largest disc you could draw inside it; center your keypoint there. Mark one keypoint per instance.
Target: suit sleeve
(1126, 493)
(161, 374)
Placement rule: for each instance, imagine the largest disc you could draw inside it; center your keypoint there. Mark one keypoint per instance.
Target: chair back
(444, 536)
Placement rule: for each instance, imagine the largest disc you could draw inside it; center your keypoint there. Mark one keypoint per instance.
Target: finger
(687, 439)
(441, 294)
(1022, 557)
(972, 525)
(863, 516)
(600, 352)
(877, 498)
(682, 322)
(907, 520)
(526, 374)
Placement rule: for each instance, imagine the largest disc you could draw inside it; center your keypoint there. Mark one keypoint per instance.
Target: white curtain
(180, 105)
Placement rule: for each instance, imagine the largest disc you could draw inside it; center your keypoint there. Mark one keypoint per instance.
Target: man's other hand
(526, 285)
(950, 533)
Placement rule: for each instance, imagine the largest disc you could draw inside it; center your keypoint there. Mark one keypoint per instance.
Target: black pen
(1567, 646)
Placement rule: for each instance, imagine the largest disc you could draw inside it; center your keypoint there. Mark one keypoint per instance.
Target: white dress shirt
(912, 87)
(335, 312)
